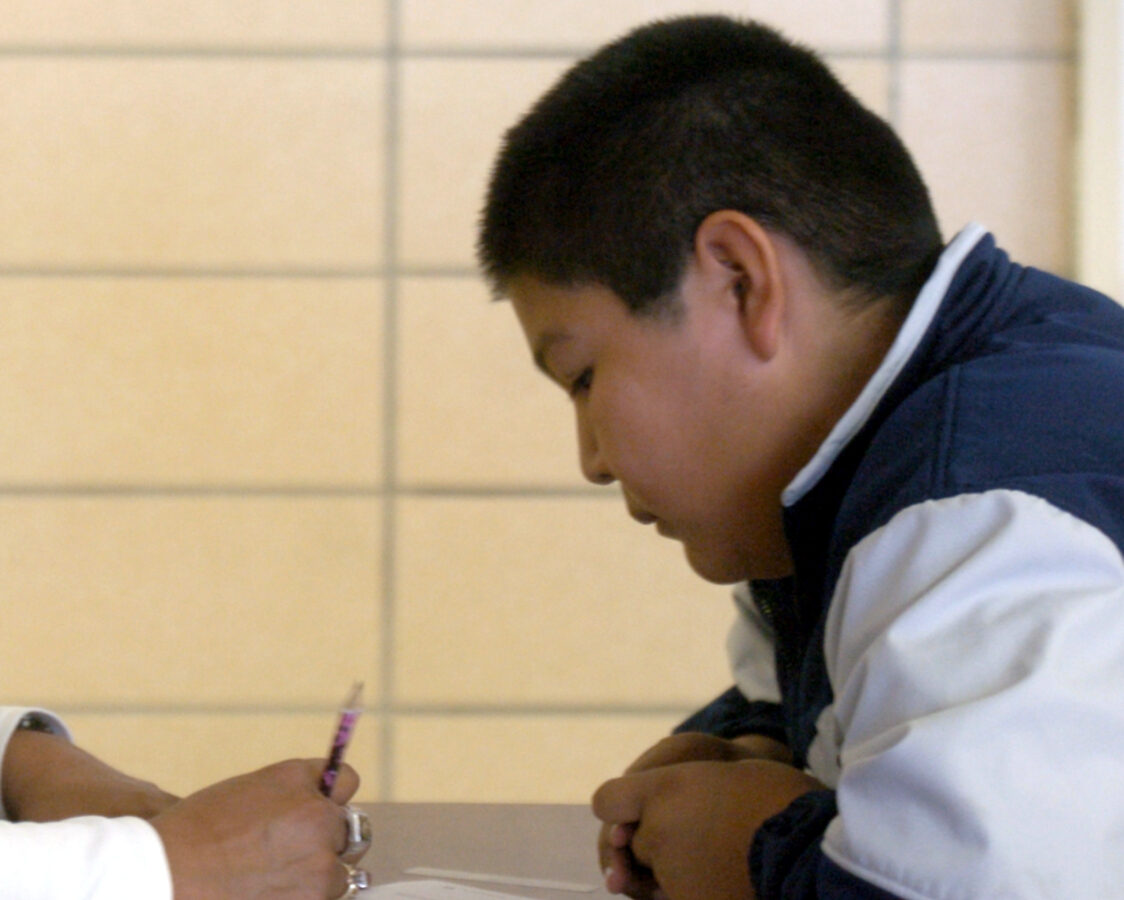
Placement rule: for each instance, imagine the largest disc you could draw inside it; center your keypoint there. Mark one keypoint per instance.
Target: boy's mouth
(644, 518)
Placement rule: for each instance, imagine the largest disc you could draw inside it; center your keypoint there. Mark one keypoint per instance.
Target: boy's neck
(850, 345)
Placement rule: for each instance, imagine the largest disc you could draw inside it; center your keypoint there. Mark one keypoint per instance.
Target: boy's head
(607, 178)
(709, 244)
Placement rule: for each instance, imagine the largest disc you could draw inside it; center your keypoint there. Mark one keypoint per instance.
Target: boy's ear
(738, 262)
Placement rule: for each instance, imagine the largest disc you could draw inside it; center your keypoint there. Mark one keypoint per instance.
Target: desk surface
(542, 842)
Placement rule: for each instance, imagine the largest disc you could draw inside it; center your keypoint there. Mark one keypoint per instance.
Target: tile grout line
(894, 64)
(514, 713)
(416, 709)
(295, 491)
(248, 273)
(395, 51)
(386, 602)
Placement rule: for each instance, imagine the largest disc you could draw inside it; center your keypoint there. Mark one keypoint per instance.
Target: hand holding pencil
(280, 829)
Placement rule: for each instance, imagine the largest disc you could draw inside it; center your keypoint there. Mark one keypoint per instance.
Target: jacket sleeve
(730, 715)
(973, 646)
(86, 858)
(787, 861)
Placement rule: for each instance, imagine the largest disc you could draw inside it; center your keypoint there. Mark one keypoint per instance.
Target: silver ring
(357, 880)
(358, 833)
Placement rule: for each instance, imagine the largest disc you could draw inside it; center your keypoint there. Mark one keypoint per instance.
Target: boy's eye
(580, 385)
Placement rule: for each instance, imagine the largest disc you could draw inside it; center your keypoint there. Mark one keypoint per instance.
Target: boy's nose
(593, 466)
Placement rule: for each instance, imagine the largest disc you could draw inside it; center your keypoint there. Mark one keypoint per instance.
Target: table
(536, 841)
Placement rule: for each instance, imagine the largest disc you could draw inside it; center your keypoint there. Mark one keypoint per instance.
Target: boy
(910, 452)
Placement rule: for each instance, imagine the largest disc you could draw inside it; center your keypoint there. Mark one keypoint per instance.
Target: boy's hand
(623, 874)
(48, 778)
(689, 826)
(266, 834)
(694, 746)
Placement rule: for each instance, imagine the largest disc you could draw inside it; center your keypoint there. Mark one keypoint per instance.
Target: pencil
(349, 712)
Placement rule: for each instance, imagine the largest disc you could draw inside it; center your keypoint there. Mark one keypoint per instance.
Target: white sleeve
(86, 858)
(749, 647)
(976, 649)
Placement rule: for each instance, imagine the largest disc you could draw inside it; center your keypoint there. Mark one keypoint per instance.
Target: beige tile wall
(262, 431)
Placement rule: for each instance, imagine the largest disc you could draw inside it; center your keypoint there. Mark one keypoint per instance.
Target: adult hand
(623, 873)
(690, 825)
(47, 778)
(268, 834)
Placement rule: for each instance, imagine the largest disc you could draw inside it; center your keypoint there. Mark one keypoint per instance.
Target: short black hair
(608, 177)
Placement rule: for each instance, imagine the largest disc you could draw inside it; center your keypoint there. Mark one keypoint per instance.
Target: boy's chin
(716, 568)
(732, 565)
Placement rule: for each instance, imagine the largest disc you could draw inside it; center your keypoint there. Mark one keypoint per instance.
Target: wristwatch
(34, 721)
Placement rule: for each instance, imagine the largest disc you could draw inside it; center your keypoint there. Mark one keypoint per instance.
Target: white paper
(513, 880)
(447, 890)
(431, 890)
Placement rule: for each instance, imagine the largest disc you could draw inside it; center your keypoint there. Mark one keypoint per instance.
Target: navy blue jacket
(958, 562)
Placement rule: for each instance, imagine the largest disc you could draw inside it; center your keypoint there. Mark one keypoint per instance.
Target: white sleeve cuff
(90, 857)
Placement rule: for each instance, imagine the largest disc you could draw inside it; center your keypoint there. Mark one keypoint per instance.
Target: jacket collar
(917, 323)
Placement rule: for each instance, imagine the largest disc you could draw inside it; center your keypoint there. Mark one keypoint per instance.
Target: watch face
(35, 722)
